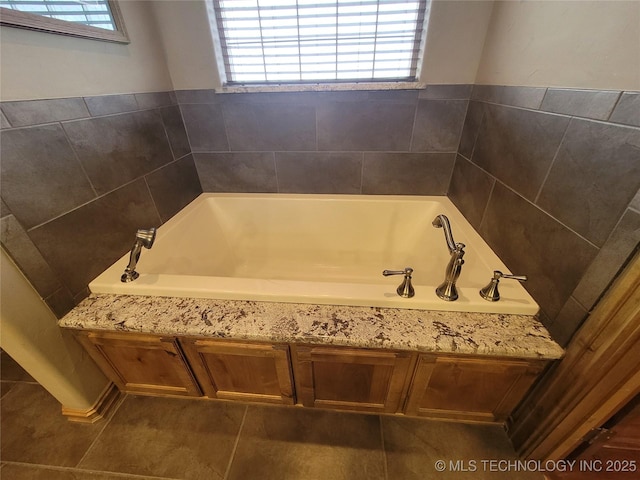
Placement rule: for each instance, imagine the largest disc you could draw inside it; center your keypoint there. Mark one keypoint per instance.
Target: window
(98, 19)
(312, 41)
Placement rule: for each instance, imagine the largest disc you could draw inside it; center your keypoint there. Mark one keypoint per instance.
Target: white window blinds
(286, 41)
(95, 13)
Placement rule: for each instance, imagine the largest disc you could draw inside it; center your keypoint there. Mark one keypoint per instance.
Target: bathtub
(318, 249)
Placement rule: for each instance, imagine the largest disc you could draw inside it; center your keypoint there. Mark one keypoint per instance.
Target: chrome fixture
(490, 292)
(447, 290)
(405, 290)
(144, 238)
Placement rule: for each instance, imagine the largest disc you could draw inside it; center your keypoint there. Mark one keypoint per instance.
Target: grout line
(186, 130)
(384, 451)
(84, 472)
(553, 162)
(106, 424)
(235, 445)
(275, 168)
(166, 135)
(79, 162)
(155, 207)
(413, 126)
(486, 207)
(615, 104)
(361, 171)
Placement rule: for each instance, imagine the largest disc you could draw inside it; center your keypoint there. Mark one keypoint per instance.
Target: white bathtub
(321, 249)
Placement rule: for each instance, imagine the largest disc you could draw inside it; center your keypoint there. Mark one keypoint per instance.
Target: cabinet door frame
(527, 372)
(94, 341)
(195, 348)
(306, 355)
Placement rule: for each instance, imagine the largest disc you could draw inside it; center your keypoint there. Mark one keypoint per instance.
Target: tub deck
(486, 334)
(315, 249)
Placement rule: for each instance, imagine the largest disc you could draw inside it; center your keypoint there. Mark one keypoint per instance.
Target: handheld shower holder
(144, 238)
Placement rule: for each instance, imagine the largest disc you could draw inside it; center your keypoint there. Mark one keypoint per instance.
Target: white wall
(580, 44)
(188, 44)
(43, 65)
(455, 39)
(31, 336)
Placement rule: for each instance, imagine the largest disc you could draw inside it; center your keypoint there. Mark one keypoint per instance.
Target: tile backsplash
(80, 175)
(550, 177)
(348, 142)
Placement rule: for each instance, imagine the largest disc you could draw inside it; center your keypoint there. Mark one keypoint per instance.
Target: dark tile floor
(162, 438)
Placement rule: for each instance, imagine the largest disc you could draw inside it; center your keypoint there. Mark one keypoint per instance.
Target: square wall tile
(446, 92)
(41, 176)
(117, 149)
(25, 254)
(304, 172)
(567, 322)
(237, 172)
(270, 126)
(526, 97)
(407, 173)
(154, 99)
(627, 110)
(438, 125)
(517, 146)
(196, 96)
(365, 126)
(4, 123)
(34, 112)
(594, 177)
(174, 186)
(596, 104)
(532, 243)
(472, 122)
(83, 243)
(205, 127)
(470, 189)
(110, 104)
(176, 132)
(613, 255)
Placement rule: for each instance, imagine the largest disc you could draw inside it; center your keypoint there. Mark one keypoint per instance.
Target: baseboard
(106, 401)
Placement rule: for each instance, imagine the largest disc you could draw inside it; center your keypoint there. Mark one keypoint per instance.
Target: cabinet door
(241, 371)
(146, 364)
(351, 378)
(472, 389)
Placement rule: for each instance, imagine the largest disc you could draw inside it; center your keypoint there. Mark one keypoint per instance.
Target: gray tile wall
(80, 175)
(551, 178)
(350, 142)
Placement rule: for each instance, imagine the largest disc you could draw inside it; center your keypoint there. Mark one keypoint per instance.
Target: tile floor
(160, 438)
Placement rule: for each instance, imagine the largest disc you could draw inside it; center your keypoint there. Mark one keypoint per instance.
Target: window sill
(323, 87)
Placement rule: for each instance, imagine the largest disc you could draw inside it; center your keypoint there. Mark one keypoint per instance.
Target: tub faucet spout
(447, 290)
(144, 238)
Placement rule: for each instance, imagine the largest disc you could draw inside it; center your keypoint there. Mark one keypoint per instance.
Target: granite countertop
(372, 327)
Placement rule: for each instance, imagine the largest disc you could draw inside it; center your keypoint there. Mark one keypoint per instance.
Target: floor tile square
(166, 437)
(413, 446)
(292, 443)
(35, 431)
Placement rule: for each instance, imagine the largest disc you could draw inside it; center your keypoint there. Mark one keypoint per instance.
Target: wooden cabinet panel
(351, 379)
(241, 371)
(474, 389)
(146, 364)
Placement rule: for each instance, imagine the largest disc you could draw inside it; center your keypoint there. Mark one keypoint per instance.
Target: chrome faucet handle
(490, 292)
(405, 290)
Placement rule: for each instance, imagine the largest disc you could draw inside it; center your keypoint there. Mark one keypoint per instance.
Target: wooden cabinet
(469, 388)
(351, 378)
(241, 371)
(457, 387)
(145, 364)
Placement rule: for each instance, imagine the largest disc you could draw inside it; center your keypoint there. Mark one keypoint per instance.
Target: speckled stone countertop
(417, 330)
